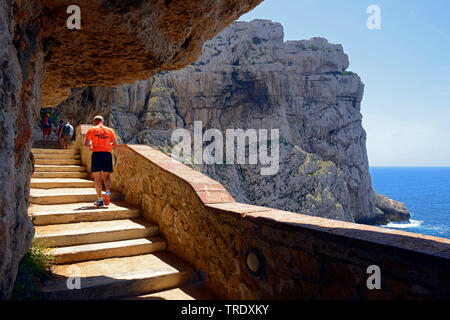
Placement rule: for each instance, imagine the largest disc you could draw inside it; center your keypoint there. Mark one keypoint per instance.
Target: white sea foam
(405, 225)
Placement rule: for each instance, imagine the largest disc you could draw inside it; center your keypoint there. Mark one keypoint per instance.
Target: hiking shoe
(99, 203)
(107, 198)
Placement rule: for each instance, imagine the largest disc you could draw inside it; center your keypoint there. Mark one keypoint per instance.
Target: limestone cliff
(249, 78)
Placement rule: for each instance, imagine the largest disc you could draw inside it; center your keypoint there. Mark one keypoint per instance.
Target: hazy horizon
(404, 66)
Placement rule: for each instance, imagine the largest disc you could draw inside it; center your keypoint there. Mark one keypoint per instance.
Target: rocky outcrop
(248, 78)
(393, 211)
(41, 60)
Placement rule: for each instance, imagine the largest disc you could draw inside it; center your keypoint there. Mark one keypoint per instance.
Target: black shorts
(101, 161)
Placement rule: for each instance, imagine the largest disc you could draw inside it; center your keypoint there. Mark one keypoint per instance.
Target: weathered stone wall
(85, 153)
(304, 257)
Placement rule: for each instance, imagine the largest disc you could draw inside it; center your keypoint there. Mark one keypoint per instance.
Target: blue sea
(425, 193)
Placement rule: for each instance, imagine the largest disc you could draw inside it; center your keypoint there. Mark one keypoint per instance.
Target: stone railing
(251, 252)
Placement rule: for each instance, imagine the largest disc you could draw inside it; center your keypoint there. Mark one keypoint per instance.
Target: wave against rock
(249, 78)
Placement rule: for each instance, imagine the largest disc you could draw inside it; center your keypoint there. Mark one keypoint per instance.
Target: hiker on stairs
(100, 140)
(47, 127)
(58, 132)
(66, 134)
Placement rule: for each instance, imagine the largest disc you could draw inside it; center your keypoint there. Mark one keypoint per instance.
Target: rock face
(248, 78)
(20, 76)
(41, 59)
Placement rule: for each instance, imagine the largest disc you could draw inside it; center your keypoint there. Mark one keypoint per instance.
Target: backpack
(66, 130)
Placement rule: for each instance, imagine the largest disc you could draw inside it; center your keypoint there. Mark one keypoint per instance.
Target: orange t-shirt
(101, 138)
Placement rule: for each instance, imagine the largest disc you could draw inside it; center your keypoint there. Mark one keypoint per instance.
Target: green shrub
(34, 268)
(348, 73)
(342, 73)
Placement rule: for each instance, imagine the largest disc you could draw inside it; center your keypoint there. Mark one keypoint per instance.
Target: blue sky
(405, 67)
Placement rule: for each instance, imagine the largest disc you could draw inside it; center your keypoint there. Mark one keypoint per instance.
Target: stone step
(119, 277)
(195, 291)
(63, 168)
(97, 251)
(80, 212)
(71, 150)
(56, 156)
(66, 195)
(57, 161)
(56, 174)
(50, 183)
(72, 234)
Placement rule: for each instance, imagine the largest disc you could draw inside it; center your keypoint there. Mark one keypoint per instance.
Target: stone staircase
(115, 253)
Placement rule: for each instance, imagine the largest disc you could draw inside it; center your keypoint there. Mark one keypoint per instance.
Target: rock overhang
(121, 41)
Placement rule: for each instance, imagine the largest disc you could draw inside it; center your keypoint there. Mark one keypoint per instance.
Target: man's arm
(88, 142)
(113, 139)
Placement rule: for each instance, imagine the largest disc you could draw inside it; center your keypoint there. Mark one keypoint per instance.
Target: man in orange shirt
(100, 140)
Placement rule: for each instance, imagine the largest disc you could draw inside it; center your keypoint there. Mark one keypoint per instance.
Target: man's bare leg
(106, 180)
(98, 184)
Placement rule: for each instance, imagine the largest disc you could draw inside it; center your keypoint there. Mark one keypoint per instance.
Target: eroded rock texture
(119, 42)
(248, 78)
(20, 75)
(122, 41)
